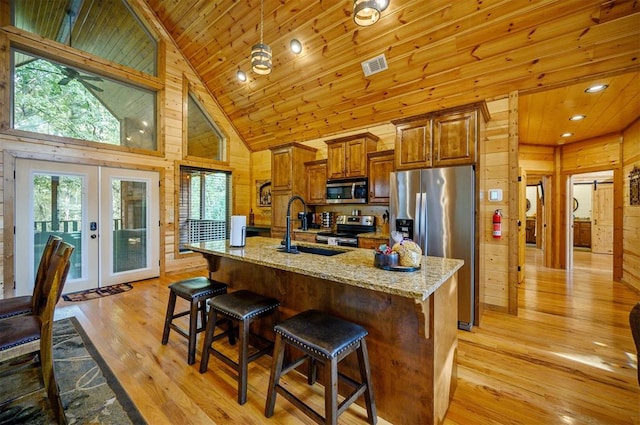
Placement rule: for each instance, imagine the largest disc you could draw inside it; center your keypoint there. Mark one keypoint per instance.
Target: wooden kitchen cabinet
(303, 236)
(582, 233)
(440, 138)
(454, 138)
(287, 179)
(316, 179)
(413, 143)
(380, 166)
(347, 156)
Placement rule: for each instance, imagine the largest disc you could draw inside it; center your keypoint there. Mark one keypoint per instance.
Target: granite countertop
(353, 267)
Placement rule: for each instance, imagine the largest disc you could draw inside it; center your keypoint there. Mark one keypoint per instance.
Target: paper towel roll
(238, 230)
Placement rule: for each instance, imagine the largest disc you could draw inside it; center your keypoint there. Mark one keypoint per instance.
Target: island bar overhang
(411, 317)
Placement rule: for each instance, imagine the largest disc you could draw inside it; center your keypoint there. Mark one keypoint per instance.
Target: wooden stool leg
(193, 332)
(331, 391)
(311, 371)
(365, 376)
(243, 367)
(202, 306)
(208, 340)
(169, 317)
(274, 377)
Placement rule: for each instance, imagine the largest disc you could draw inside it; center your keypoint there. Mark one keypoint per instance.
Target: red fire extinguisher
(497, 224)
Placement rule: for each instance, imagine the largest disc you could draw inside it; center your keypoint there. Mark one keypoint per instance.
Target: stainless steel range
(347, 227)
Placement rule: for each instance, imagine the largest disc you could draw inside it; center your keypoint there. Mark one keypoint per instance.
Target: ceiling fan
(72, 74)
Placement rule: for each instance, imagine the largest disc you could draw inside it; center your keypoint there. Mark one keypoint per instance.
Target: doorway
(110, 216)
(590, 214)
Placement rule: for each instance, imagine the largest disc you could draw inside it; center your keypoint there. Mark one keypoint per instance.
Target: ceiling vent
(375, 65)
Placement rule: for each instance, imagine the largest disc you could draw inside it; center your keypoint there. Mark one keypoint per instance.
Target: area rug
(90, 393)
(91, 294)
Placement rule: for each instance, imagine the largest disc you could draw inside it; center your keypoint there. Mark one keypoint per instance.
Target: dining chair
(32, 334)
(18, 306)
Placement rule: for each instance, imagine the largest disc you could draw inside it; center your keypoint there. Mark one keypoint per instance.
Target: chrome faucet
(287, 235)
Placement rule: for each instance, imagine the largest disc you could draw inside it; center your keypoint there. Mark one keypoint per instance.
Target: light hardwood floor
(567, 358)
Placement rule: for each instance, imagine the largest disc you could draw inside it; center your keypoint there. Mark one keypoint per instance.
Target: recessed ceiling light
(241, 75)
(296, 46)
(597, 88)
(566, 135)
(577, 117)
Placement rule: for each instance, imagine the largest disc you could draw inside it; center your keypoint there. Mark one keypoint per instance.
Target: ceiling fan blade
(90, 77)
(64, 81)
(91, 86)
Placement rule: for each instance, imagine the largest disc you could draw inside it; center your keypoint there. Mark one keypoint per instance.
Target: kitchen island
(411, 316)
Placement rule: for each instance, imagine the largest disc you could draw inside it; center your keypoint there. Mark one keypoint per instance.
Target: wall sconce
(367, 12)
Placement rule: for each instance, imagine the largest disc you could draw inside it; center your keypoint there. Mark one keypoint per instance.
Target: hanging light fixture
(261, 53)
(367, 12)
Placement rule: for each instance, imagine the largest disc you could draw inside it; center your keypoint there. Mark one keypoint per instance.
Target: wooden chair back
(53, 283)
(17, 336)
(43, 267)
(52, 288)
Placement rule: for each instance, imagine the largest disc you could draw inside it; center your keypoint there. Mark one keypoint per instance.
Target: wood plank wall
(494, 168)
(631, 214)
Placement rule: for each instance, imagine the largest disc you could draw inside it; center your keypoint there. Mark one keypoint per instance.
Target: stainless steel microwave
(347, 191)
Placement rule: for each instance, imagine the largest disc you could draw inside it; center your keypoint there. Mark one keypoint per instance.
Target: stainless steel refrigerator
(435, 207)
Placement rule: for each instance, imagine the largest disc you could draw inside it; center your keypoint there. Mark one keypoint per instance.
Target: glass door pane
(59, 199)
(130, 225)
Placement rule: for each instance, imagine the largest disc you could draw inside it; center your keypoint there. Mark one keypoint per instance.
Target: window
(107, 29)
(87, 106)
(204, 139)
(205, 205)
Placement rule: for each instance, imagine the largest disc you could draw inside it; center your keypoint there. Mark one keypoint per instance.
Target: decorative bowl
(385, 260)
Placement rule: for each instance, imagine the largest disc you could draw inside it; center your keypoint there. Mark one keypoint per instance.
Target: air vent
(375, 65)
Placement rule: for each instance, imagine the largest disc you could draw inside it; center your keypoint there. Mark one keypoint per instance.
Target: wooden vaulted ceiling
(440, 53)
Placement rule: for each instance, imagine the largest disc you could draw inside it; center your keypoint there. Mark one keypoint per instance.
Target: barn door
(602, 212)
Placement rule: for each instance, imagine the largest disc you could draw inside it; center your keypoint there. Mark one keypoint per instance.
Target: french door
(110, 216)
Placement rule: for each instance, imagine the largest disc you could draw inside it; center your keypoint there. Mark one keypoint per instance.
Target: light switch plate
(495, 195)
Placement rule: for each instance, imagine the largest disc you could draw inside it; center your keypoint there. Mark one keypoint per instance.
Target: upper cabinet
(316, 178)
(347, 156)
(287, 166)
(439, 139)
(287, 179)
(413, 144)
(454, 138)
(380, 167)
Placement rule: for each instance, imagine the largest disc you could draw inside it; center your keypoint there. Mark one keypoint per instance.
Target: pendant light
(261, 53)
(367, 12)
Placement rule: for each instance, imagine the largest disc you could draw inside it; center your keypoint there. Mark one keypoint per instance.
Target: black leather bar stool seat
(243, 307)
(326, 339)
(197, 291)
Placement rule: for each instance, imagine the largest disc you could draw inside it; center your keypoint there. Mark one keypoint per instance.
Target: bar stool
(326, 339)
(197, 291)
(244, 307)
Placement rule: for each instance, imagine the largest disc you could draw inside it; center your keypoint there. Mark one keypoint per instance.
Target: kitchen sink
(314, 250)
